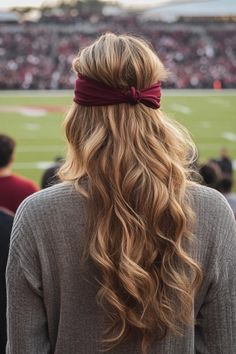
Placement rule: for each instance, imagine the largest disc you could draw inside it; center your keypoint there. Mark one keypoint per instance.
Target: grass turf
(35, 121)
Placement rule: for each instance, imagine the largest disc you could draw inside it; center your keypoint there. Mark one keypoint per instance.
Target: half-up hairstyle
(136, 165)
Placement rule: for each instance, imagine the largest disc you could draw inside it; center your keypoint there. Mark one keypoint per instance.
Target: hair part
(136, 165)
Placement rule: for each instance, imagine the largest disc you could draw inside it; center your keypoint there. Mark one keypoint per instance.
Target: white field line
(35, 93)
(35, 138)
(214, 146)
(199, 93)
(40, 165)
(32, 112)
(32, 126)
(229, 136)
(220, 102)
(40, 148)
(205, 124)
(181, 108)
(24, 111)
(167, 92)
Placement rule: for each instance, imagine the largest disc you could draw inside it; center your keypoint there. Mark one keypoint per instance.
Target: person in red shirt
(13, 188)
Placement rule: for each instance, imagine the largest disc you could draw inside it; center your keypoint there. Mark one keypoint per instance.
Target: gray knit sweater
(51, 302)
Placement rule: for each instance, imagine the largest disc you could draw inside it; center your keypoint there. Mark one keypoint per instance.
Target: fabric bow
(89, 92)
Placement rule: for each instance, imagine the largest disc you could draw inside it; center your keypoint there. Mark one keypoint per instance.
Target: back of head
(224, 154)
(211, 174)
(225, 185)
(7, 146)
(135, 161)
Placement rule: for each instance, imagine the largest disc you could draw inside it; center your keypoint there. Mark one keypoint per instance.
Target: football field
(35, 119)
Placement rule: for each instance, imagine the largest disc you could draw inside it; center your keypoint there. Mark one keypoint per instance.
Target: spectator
(225, 187)
(225, 164)
(13, 189)
(210, 173)
(107, 259)
(6, 220)
(50, 176)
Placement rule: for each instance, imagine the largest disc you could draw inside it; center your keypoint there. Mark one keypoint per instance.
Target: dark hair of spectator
(50, 177)
(225, 185)
(7, 147)
(209, 175)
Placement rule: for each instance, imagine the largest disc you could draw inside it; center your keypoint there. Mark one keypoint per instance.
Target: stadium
(196, 41)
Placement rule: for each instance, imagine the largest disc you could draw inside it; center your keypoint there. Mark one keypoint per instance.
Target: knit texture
(51, 299)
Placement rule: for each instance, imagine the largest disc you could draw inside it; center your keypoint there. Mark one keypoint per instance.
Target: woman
(127, 255)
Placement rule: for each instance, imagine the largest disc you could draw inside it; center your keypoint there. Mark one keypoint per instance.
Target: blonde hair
(136, 165)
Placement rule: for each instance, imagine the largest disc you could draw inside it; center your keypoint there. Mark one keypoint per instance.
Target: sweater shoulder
(49, 203)
(58, 193)
(215, 227)
(208, 203)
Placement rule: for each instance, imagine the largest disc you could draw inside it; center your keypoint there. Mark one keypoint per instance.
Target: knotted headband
(89, 92)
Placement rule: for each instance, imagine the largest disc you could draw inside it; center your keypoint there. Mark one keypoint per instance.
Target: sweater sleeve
(26, 316)
(216, 320)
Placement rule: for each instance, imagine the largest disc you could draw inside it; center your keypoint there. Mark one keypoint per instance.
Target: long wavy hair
(136, 165)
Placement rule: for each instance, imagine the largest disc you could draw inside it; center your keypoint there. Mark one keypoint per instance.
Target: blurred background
(195, 39)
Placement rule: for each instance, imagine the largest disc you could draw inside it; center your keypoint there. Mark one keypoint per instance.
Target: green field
(35, 121)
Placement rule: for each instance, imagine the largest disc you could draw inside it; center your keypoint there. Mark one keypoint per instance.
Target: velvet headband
(89, 92)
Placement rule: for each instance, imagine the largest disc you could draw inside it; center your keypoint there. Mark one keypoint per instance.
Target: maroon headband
(89, 92)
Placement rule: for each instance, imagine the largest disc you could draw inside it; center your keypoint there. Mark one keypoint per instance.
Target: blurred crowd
(218, 173)
(38, 56)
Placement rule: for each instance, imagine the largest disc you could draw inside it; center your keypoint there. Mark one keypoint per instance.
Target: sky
(21, 3)
(205, 8)
(6, 4)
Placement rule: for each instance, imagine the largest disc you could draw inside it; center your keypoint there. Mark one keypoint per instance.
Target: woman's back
(53, 299)
(136, 252)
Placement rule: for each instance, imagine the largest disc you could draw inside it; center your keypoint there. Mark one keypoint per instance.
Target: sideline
(167, 92)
